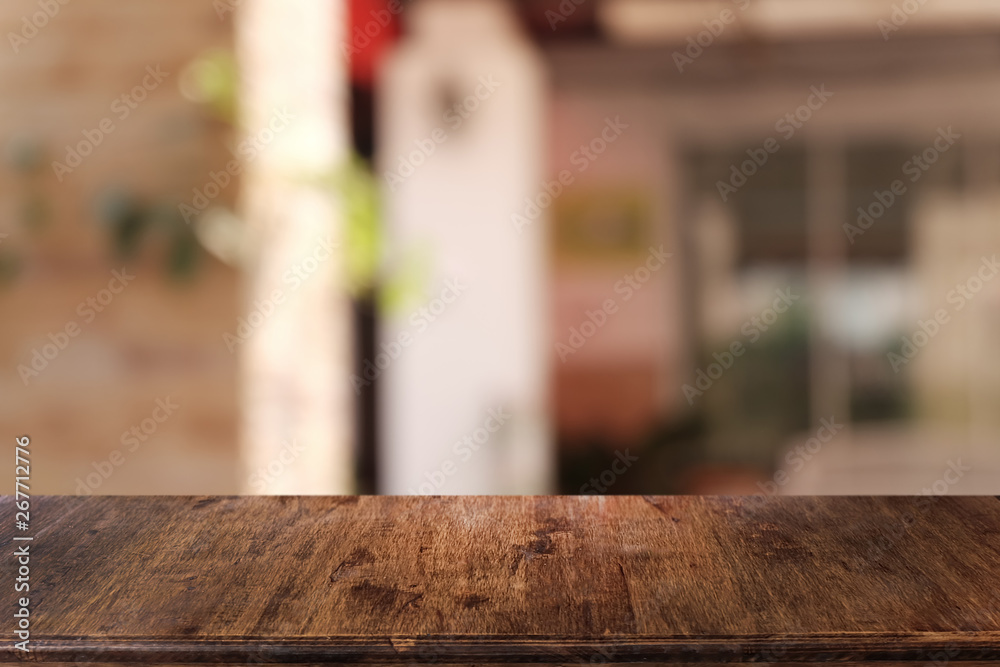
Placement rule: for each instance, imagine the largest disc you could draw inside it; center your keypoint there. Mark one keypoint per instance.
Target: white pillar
(473, 167)
(296, 402)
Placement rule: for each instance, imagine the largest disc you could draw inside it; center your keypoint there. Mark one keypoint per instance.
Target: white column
(462, 137)
(297, 405)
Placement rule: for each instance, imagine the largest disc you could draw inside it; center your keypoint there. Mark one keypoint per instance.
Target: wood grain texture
(478, 580)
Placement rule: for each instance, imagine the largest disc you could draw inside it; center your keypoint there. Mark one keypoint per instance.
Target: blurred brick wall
(158, 337)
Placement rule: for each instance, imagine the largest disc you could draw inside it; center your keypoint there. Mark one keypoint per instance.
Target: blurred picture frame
(603, 225)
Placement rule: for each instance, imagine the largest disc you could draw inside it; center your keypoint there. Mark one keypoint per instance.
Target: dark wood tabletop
(474, 580)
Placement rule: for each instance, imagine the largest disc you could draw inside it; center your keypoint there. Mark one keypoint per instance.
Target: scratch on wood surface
(541, 544)
(357, 558)
(385, 599)
(628, 592)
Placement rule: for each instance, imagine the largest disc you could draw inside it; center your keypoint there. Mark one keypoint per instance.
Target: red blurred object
(373, 25)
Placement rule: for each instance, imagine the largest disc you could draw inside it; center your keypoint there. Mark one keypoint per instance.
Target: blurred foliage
(763, 399)
(131, 222)
(124, 217)
(359, 200)
(212, 80)
(356, 190)
(892, 398)
(25, 156)
(10, 265)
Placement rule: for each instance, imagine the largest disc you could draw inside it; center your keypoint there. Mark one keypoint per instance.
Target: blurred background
(486, 246)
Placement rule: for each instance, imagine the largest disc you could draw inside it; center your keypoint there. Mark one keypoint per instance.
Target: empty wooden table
(528, 580)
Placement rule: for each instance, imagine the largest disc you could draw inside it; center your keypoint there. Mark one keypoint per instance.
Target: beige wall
(157, 338)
